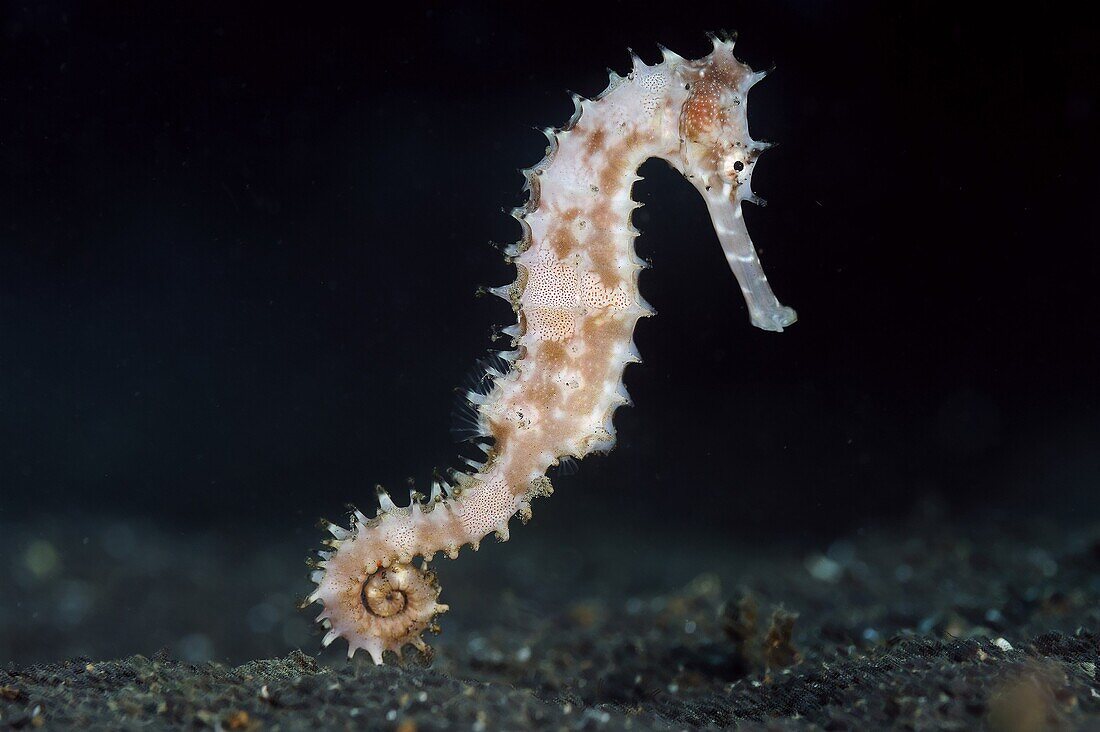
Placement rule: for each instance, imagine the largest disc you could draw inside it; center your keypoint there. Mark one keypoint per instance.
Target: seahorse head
(714, 132)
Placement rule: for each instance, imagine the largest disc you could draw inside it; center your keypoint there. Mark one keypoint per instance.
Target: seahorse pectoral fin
(765, 310)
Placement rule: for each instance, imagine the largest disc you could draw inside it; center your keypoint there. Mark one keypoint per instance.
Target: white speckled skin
(577, 302)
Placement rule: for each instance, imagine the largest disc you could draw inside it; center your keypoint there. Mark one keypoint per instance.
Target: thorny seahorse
(576, 299)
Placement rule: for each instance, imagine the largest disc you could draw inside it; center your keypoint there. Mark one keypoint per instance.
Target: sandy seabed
(921, 625)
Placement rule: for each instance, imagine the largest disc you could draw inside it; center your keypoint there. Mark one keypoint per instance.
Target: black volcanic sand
(916, 626)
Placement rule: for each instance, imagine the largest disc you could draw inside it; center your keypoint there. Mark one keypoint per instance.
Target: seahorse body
(577, 302)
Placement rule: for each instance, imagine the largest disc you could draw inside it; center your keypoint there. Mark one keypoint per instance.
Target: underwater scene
(495, 366)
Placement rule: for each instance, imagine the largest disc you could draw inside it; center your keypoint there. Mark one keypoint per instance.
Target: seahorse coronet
(553, 394)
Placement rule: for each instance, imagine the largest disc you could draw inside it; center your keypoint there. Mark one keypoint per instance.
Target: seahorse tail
(383, 610)
(373, 596)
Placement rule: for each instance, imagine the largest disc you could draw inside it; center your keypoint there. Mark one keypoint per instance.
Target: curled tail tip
(377, 611)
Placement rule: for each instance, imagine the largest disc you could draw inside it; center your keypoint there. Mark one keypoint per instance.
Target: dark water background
(239, 247)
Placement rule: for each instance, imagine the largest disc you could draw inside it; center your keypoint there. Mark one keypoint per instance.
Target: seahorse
(553, 395)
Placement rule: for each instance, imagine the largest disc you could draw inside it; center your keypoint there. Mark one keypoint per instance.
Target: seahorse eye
(734, 166)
